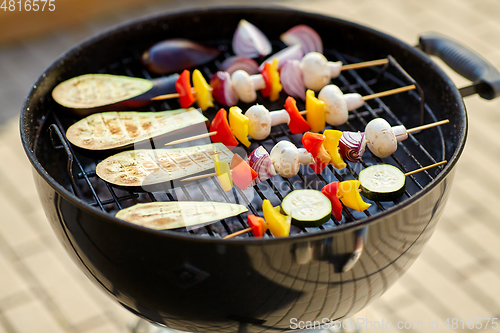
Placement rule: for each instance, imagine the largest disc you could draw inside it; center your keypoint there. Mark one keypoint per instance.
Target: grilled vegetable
(315, 112)
(331, 191)
(239, 125)
(110, 130)
(297, 123)
(261, 162)
(257, 224)
(278, 224)
(382, 182)
(308, 208)
(249, 41)
(243, 175)
(183, 88)
(313, 143)
(331, 144)
(178, 214)
(90, 93)
(380, 138)
(203, 91)
(223, 172)
(174, 55)
(272, 79)
(349, 195)
(224, 134)
(144, 167)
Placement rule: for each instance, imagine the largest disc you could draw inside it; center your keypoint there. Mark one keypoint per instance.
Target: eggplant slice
(111, 130)
(144, 167)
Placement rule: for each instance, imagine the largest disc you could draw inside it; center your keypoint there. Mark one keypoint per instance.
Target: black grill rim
(27, 136)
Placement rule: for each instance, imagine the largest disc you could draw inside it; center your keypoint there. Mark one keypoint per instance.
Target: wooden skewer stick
(426, 167)
(389, 92)
(199, 177)
(365, 64)
(237, 233)
(173, 95)
(420, 128)
(199, 136)
(343, 68)
(381, 94)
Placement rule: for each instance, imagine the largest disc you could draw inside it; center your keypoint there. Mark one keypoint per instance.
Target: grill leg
(143, 326)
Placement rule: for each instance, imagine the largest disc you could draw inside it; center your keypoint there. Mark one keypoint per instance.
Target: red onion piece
(291, 79)
(222, 89)
(261, 162)
(352, 146)
(232, 64)
(293, 52)
(305, 36)
(175, 55)
(249, 41)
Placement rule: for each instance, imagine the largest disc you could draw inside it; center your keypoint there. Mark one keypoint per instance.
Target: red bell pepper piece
(224, 134)
(331, 191)
(258, 225)
(297, 123)
(183, 88)
(313, 143)
(272, 79)
(243, 175)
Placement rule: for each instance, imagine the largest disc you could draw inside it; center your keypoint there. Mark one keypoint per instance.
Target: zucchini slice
(308, 208)
(382, 182)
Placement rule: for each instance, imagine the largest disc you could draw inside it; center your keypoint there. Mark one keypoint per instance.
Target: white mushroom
(259, 122)
(286, 159)
(335, 105)
(243, 86)
(380, 138)
(315, 71)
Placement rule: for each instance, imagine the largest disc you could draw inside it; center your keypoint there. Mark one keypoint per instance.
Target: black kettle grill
(196, 281)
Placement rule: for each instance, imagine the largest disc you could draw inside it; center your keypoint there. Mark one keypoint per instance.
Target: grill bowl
(202, 284)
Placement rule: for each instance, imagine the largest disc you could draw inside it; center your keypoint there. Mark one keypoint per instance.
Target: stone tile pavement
(457, 275)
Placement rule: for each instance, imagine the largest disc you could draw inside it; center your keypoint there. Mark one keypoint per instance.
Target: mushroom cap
(244, 86)
(286, 159)
(259, 122)
(315, 71)
(380, 138)
(335, 105)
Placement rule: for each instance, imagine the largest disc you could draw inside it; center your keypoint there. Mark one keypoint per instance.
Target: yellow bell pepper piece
(203, 91)
(348, 193)
(239, 125)
(316, 113)
(331, 144)
(223, 172)
(276, 86)
(278, 224)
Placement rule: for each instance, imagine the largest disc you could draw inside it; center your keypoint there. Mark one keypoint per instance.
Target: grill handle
(485, 77)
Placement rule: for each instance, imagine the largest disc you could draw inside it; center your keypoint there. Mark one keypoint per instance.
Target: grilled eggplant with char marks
(111, 130)
(178, 214)
(142, 167)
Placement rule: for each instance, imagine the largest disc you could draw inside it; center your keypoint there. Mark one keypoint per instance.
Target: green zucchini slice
(382, 182)
(308, 208)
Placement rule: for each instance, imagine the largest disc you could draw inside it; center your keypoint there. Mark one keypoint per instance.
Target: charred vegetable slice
(178, 214)
(308, 208)
(94, 90)
(143, 167)
(110, 130)
(382, 182)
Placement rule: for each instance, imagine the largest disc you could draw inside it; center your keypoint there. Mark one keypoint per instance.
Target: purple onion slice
(223, 89)
(352, 146)
(304, 35)
(234, 63)
(293, 52)
(250, 42)
(261, 162)
(291, 79)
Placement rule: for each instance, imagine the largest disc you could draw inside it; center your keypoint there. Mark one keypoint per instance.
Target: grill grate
(411, 153)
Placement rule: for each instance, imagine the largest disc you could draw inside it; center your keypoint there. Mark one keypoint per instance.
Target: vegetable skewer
(260, 119)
